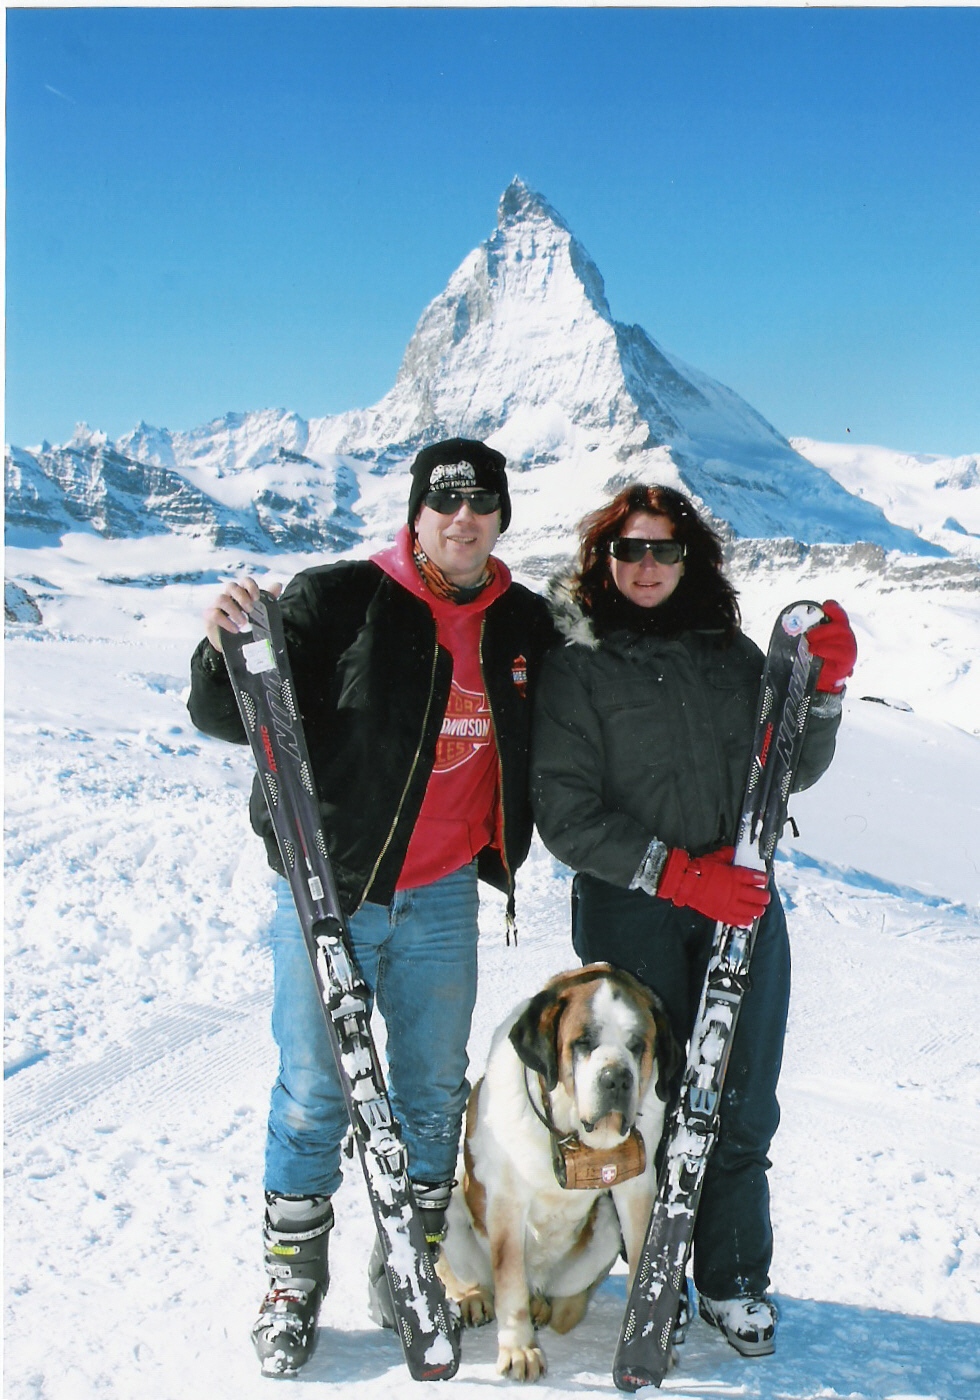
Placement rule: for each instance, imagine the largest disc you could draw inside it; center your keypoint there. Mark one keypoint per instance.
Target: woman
(643, 730)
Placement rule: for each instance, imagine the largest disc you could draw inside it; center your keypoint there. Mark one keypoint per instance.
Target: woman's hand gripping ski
(712, 885)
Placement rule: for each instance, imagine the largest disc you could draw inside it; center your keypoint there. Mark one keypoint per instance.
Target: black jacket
(640, 738)
(372, 686)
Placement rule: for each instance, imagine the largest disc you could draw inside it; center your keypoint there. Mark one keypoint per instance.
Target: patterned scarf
(437, 582)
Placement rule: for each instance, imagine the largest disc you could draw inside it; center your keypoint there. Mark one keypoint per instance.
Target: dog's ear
(670, 1055)
(534, 1035)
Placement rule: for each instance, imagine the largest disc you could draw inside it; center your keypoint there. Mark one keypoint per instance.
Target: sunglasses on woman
(449, 502)
(629, 549)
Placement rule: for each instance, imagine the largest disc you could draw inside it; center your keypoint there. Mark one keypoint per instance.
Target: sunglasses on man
(629, 549)
(449, 502)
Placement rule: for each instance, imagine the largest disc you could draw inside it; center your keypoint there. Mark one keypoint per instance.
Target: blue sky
(221, 210)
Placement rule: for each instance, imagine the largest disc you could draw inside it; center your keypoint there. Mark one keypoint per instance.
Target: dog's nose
(615, 1082)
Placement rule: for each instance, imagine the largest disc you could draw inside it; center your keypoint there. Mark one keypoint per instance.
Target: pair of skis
(428, 1327)
(258, 664)
(788, 682)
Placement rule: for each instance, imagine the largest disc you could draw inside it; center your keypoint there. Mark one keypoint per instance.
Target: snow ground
(138, 1059)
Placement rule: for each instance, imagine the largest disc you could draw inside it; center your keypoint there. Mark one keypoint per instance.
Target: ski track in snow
(138, 1063)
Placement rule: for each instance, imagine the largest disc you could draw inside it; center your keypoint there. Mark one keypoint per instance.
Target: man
(414, 672)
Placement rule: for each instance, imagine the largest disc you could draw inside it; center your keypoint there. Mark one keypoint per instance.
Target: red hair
(703, 588)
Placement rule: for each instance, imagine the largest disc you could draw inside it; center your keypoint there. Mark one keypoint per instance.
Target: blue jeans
(418, 958)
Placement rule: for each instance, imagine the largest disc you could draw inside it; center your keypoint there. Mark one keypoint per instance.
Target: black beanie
(459, 463)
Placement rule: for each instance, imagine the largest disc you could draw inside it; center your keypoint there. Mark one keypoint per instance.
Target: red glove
(834, 642)
(729, 894)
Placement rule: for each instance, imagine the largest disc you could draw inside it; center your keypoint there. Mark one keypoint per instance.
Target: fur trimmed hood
(614, 615)
(573, 626)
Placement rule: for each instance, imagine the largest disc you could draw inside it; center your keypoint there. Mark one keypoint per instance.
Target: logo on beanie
(465, 729)
(450, 474)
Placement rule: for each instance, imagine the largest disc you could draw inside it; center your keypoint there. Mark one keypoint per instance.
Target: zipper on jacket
(511, 915)
(408, 781)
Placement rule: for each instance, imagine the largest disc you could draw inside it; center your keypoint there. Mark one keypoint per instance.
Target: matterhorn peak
(519, 202)
(524, 314)
(532, 238)
(522, 348)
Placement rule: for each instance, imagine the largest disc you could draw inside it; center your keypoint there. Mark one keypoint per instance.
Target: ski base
(258, 664)
(644, 1353)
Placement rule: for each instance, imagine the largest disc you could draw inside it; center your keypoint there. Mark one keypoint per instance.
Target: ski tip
(633, 1378)
(800, 617)
(436, 1370)
(435, 1358)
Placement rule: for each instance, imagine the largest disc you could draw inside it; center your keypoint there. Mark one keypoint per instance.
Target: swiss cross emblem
(519, 673)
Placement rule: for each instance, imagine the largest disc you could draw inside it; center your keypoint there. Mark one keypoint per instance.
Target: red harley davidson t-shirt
(460, 811)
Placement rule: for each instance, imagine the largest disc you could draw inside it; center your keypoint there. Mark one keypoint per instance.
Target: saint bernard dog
(558, 1158)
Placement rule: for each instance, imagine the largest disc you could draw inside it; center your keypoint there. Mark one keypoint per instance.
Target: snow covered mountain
(938, 497)
(522, 349)
(271, 497)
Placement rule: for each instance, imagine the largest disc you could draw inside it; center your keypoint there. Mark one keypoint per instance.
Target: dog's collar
(543, 1114)
(577, 1166)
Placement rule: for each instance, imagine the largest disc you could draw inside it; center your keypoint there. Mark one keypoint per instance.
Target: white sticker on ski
(259, 656)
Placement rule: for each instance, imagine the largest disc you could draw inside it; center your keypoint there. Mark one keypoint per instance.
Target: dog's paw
(474, 1300)
(476, 1307)
(567, 1313)
(521, 1363)
(540, 1310)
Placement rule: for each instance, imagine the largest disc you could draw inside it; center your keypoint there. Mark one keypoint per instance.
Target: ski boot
(295, 1235)
(432, 1199)
(747, 1323)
